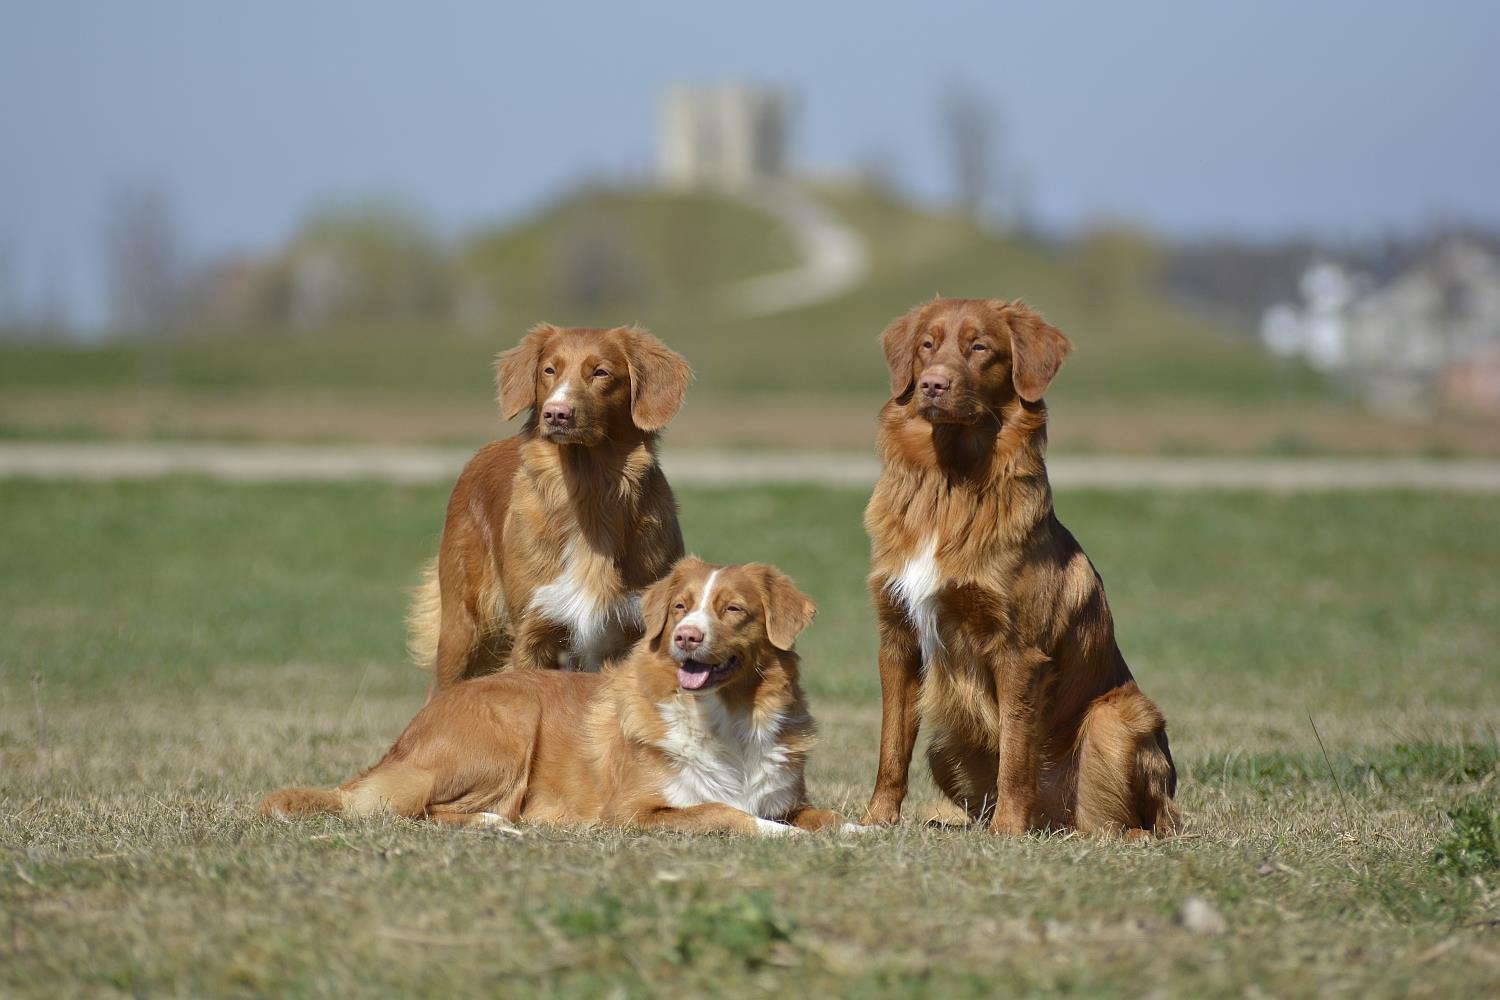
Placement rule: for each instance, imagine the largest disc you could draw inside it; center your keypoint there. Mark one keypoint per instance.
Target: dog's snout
(934, 382)
(687, 638)
(557, 414)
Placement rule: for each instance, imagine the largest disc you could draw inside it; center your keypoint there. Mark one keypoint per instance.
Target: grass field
(175, 649)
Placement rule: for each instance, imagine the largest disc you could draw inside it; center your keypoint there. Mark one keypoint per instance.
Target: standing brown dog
(552, 534)
(994, 629)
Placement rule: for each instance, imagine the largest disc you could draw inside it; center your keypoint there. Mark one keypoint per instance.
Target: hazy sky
(1261, 118)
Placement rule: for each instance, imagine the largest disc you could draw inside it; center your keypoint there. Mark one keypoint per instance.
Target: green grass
(175, 649)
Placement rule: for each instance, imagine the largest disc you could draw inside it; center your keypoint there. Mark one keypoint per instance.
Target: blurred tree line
(364, 264)
(351, 264)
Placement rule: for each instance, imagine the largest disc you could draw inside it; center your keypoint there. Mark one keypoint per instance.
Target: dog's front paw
(880, 814)
(771, 828)
(1009, 824)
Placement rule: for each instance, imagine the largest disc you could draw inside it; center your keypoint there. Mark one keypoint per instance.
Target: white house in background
(1315, 331)
(1431, 335)
(723, 135)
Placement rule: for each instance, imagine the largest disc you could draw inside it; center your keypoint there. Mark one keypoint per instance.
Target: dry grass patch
(176, 649)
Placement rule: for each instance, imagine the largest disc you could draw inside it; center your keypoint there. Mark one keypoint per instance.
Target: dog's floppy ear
(654, 608)
(659, 378)
(515, 371)
(899, 341)
(657, 599)
(788, 610)
(1037, 349)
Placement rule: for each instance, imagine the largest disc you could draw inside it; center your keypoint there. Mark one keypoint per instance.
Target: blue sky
(1339, 118)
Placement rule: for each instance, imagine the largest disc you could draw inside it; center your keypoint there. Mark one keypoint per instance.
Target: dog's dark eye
(600, 373)
(927, 345)
(734, 609)
(550, 370)
(980, 347)
(679, 606)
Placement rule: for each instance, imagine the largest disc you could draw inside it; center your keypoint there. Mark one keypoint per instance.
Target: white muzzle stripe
(702, 615)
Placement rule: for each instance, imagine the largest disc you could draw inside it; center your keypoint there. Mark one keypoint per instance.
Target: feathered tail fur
(424, 618)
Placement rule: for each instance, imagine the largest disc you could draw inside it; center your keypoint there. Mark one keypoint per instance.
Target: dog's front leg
(900, 688)
(539, 645)
(805, 817)
(710, 817)
(1021, 682)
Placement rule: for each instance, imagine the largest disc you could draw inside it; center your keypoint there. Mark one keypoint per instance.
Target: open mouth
(693, 675)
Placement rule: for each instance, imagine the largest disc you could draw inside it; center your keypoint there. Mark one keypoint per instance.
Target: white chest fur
(720, 757)
(917, 587)
(581, 600)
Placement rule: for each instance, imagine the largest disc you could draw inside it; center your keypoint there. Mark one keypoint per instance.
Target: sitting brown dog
(703, 729)
(994, 630)
(552, 534)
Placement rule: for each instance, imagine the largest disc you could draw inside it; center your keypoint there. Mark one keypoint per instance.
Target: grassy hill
(603, 251)
(1146, 374)
(1134, 346)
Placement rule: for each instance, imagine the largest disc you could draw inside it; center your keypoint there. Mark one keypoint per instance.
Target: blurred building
(724, 135)
(1430, 336)
(1315, 329)
(224, 294)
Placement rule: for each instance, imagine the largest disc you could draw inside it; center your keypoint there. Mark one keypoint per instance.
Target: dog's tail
(424, 618)
(300, 803)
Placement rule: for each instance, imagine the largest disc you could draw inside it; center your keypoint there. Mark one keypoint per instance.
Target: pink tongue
(693, 680)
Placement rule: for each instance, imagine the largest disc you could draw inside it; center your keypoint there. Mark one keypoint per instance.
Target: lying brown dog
(552, 534)
(703, 729)
(994, 630)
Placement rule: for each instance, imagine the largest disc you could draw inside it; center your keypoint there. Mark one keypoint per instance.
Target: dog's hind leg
(1125, 776)
(459, 644)
(398, 791)
(399, 788)
(458, 626)
(300, 803)
(1156, 785)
